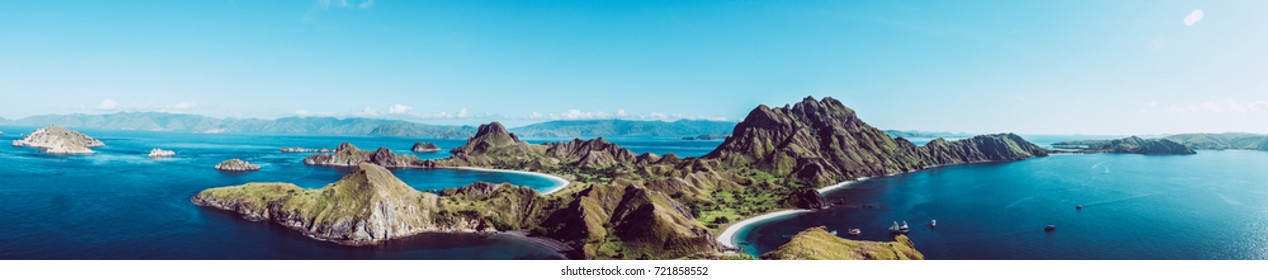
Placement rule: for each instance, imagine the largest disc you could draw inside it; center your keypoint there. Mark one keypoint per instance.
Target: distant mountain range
(1222, 141)
(154, 121)
(611, 128)
(926, 134)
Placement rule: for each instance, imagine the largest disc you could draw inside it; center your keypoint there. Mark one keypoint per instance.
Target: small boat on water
(1050, 228)
(897, 229)
(855, 232)
(933, 223)
(833, 232)
(1078, 207)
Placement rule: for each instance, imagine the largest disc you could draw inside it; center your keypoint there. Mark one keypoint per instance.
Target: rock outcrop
(237, 165)
(347, 155)
(370, 205)
(59, 140)
(819, 244)
(425, 147)
(1130, 145)
(161, 153)
(807, 198)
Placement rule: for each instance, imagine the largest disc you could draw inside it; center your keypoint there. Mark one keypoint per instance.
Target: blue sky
(1060, 67)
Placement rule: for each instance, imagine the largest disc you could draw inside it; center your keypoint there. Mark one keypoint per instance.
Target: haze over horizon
(1097, 68)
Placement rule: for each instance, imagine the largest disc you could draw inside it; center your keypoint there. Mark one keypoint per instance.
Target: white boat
(894, 228)
(855, 232)
(933, 223)
(904, 228)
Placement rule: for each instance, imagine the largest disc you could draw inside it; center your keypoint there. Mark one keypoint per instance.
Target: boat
(904, 228)
(1078, 207)
(933, 223)
(855, 232)
(833, 232)
(1050, 228)
(894, 228)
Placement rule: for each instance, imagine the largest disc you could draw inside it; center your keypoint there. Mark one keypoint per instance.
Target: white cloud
(184, 106)
(1153, 103)
(1234, 106)
(536, 116)
(108, 104)
(366, 5)
(1212, 106)
(1194, 17)
(659, 115)
(369, 112)
(621, 113)
(1261, 105)
(302, 112)
(399, 109)
(463, 113)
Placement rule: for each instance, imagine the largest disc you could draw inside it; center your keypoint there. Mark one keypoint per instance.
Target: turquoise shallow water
(120, 204)
(1213, 205)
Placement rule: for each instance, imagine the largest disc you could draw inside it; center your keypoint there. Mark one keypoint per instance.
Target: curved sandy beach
(560, 182)
(727, 238)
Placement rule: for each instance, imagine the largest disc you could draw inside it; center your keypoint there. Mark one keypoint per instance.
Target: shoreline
(727, 237)
(560, 182)
(834, 187)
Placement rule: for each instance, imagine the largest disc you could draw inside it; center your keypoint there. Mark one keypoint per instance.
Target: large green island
(619, 205)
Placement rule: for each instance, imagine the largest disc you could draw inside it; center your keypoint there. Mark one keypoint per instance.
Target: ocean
(1213, 205)
(120, 204)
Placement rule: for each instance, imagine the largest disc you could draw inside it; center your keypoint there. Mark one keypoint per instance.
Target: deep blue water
(1213, 205)
(120, 204)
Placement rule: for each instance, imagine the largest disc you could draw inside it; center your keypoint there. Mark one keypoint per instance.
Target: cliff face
(347, 155)
(1133, 145)
(59, 140)
(819, 244)
(371, 205)
(820, 142)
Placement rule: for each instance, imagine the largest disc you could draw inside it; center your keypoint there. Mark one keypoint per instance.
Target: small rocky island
(1129, 145)
(59, 140)
(348, 155)
(305, 150)
(425, 147)
(237, 165)
(819, 244)
(706, 137)
(161, 153)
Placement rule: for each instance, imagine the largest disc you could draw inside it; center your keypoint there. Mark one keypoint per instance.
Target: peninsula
(819, 244)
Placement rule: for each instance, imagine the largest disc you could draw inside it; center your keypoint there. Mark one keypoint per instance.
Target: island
(370, 205)
(161, 153)
(1222, 141)
(706, 137)
(59, 140)
(237, 165)
(425, 147)
(619, 205)
(348, 155)
(1129, 145)
(305, 150)
(818, 244)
